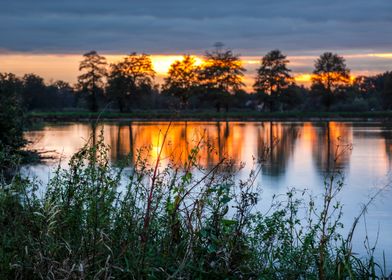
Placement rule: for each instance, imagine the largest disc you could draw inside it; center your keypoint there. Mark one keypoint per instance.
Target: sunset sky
(48, 37)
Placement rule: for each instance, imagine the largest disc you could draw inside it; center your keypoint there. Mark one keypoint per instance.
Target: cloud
(172, 26)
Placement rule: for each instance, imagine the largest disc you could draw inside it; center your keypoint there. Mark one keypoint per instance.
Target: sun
(162, 63)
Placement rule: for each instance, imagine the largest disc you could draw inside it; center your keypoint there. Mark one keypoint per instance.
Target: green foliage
(93, 221)
(11, 121)
(11, 125)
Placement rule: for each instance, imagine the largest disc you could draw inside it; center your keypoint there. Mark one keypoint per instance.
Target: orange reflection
(242, 142)
(328, 141)
(180, 139)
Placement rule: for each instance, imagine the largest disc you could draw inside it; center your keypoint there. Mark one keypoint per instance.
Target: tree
(92, 80)
(10, 83)
(61, 94)
(118, 88)
(11, 122)
(273, 74)
(386, 93)
(364, 85)
(330, 72)
(222, 70)
(182, 78)
(293, 97)
(34, 91)
(133, 74)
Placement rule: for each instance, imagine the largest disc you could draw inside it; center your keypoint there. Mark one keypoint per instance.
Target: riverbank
(166, 115)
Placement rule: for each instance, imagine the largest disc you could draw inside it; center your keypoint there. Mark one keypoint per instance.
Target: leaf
(227, 222)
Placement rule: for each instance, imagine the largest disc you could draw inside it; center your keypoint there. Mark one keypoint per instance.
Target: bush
(358, 105)
(11, 131)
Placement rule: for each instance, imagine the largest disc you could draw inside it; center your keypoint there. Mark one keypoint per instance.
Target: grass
(241, 115)
(174, 221)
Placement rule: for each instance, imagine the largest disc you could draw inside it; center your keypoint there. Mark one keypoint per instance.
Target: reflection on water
(238, 141)
(328, 145)
(302, 155)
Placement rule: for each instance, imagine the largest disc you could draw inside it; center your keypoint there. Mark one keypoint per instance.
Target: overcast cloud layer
(178, 26)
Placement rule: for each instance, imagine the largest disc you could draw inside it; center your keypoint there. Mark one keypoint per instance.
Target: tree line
(217, 83)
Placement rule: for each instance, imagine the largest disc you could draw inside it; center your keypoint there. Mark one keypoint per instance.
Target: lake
(303, 153)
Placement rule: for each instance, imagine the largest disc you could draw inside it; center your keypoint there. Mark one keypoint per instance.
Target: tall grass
(169, 221)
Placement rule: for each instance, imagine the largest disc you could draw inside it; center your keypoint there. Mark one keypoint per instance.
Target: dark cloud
(249, 26)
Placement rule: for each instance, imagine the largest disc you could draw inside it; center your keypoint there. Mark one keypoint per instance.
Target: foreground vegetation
(166, 220)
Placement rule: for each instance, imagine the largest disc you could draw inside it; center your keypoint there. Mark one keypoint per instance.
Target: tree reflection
(237, 141)
(326, 139)
(387, 135)
(281, 138)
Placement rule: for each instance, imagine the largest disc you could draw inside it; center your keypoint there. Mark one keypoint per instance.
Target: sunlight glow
(306, 79)
(162, 63)
(303, 78)
(382, 55)
(64, 67)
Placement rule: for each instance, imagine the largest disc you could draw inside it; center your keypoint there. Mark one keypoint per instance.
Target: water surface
(303, 153)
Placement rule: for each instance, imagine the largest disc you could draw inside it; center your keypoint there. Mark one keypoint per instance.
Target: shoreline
(245, 116)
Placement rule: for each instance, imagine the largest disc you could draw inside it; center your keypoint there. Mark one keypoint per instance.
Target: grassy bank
(210, 115)
(93, 221)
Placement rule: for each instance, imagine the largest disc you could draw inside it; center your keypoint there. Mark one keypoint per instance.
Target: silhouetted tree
(62, 86)
(221, 74)
(118, 87)
(292, 97)
(222, 70)
(92, 80)
(379, 81)
(11, 122)
(330, 72)
(273, 75)
(61, 95)
(10, 83)
(386, 94)
(33, 91)
(364, 85)
(329, 75)
(182, 78)
(133, 74)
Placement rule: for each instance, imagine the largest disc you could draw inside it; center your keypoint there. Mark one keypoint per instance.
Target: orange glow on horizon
(306, 79)
(162, 63)
(65, 66)
(303, 78)
(381, 55)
